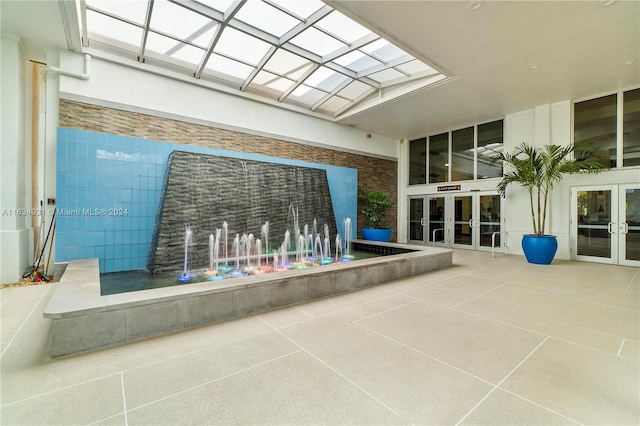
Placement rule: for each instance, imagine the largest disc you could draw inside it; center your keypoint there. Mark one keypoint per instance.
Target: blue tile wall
(108, 190)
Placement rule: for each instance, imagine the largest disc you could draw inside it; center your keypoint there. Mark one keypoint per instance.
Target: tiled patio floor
(489, 341)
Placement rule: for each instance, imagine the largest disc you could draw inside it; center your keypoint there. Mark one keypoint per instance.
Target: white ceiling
(37, 23)
(578, 49)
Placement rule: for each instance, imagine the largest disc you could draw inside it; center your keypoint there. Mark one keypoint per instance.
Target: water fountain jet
(185, 277)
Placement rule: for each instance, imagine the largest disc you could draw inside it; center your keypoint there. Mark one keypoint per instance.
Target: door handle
(470, 223)
(624, 227)
(422, 221)
(610, 227)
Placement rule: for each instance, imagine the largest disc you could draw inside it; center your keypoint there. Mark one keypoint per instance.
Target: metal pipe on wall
(83, 76)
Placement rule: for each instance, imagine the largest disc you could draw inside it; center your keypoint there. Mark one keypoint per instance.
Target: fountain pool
(126, 281)
(83, 319)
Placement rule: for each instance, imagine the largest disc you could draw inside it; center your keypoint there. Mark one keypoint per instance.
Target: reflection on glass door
(630, 225)
(416, 220)
(594, 224)
(427, 220)
(489, 219)
(463, 220)
(607, 224)
(436, 230)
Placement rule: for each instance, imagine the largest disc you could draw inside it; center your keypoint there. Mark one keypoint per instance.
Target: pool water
(126, 281)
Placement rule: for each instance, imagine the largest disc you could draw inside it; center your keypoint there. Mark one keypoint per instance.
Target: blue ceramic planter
(539, 249)
(383, 235)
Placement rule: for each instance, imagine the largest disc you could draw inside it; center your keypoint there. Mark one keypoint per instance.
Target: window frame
(619, 123)
(449, 134)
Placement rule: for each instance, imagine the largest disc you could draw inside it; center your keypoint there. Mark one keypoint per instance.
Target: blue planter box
(383, 235)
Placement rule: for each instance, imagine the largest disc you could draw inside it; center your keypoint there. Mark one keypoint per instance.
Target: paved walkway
(489, 341)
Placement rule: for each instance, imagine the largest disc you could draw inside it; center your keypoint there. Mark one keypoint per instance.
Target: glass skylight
(131, 11)
(387, 75)
(303, 9)
(175, 20)
(414, 67)
(357, 61)
(253, 13)
(334, 104)
(219, 5)
(383, 50)
(284, 63)
(307, 95)
(342, 27)
(228, 66)
(114, 29)
(241, 46)
(318, 42)
(355, 90)
(300, 52)
(272, 81)
(325, 79)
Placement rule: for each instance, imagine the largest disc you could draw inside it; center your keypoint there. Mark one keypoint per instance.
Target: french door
(605, 223)
(427, 220)
(462, 220)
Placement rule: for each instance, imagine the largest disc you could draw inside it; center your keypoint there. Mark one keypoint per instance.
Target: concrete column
(15, 167)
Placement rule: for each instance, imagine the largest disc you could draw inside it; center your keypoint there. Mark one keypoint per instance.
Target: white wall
(518, 128)
(116, 85)
(541, 125)
(15, 165)
(550, 123)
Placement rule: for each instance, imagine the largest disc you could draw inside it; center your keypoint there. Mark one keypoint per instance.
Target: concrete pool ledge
(82, 319)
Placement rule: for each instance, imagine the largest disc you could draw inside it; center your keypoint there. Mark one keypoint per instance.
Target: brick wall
(373, 173)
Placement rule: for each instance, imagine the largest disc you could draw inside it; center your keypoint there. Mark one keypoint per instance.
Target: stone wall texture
(205, 191)
(373, 173)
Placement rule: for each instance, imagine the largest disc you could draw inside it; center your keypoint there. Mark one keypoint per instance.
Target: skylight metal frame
(377, 92)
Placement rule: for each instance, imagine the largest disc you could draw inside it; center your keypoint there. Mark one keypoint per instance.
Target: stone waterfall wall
(203, 191)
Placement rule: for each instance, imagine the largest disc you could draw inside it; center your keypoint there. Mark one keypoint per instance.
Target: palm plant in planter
(538, 170)
(375, 206)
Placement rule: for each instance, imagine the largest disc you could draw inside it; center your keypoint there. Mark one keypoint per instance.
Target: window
(596, 123)
(418, 161)
(595, 126)
(631, 129)
(490, 143)
(439, 158)
(469, 157)
(462, 154)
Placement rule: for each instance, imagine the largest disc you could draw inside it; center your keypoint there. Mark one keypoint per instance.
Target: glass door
(629, 207)
(490, 208)
(476, 218)
(594, 224)
(437, 231)
(416, 220)
(463, 221)
(427, 220)
(466, 220)
(606, 224)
